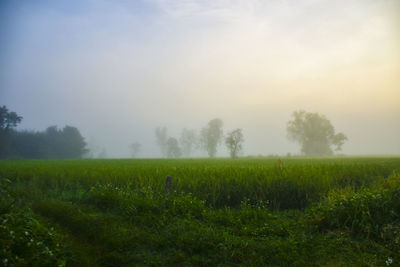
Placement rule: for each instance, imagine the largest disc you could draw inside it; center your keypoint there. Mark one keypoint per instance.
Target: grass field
(277, 212)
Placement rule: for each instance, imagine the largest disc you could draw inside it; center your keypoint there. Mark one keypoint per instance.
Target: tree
(188, 141)
(63, 143)
(73, 143)
(315, 134)
(338, 140)
(211, 136)
(8, 120)
(135, 149)
(173, 150)
(162, 137)
(52, 143)
(234, 142)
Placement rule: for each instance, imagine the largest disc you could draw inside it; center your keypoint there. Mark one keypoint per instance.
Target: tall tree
(211, 136)
(188, 141)
(173, 150)
(162, 137)
(234, 141)
(73, 143)
(8, 120)
(315, 133)
(53, 142)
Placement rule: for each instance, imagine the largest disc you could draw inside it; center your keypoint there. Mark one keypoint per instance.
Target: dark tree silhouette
(8, 120)
(52, 143)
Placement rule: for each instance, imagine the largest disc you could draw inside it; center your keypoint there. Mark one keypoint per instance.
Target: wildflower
(5, 261)
(389, 261)
(26, 233)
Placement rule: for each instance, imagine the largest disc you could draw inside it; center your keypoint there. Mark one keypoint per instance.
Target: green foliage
(24, 240)
(268, 212)
(52, 143)
(370, 212)
(289, 183)
(7, 199)
(8, 120)
(66, 143)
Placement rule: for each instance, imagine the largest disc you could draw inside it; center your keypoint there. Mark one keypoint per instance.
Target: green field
(277, 212)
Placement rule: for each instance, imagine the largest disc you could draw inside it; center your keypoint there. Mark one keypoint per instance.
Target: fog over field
(118, 69)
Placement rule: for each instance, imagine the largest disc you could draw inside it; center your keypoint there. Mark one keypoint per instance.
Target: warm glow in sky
(118, 69)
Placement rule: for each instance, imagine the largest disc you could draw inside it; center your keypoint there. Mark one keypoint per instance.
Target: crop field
(214, 212)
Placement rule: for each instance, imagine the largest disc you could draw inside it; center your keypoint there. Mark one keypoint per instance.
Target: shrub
(367, 212)
(24, 240)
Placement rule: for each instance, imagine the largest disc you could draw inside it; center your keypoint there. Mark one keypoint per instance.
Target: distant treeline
(51, 143)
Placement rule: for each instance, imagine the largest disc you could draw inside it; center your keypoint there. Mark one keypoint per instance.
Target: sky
(118, 69)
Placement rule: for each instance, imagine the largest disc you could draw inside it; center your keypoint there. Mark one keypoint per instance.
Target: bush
(370, 212)
(24, 240)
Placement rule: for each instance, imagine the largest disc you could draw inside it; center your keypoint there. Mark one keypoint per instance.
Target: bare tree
(135, 149)
(234, 142)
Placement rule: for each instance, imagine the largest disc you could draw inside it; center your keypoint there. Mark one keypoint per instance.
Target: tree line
(314, 132)
(52, 143)
(207, 139)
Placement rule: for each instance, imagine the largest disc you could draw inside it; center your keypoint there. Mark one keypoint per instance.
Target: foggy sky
(118, 69)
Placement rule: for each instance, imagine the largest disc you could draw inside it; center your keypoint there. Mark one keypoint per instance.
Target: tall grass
(288, 212)
(285, 184)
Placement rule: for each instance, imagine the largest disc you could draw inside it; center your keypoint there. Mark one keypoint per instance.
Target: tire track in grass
(82, 253)
(113, 241)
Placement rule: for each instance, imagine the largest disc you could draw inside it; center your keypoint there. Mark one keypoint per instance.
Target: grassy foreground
(287, 212)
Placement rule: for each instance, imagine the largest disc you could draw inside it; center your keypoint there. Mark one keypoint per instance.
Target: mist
(117, 70)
